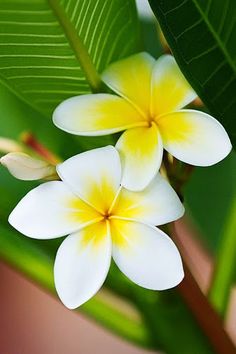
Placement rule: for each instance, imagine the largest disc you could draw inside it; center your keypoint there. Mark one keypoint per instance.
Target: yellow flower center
(106, 215)
(105, 218)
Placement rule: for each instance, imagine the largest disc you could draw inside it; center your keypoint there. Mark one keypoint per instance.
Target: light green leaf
(202, 36)
(224, 276)
(47, 48)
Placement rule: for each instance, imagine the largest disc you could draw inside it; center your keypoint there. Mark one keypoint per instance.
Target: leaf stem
(225, 267)
(78, 46)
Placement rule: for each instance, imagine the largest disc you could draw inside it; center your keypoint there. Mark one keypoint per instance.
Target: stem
(190, 243)
(178, 172)
(225, 267)
(78, 46)
(29, 140)
(206, 316)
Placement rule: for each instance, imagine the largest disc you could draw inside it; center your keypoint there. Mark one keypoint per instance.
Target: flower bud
(27, 168)
(9, 145)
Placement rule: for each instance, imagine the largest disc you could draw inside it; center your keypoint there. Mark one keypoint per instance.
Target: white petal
(82, 264)
(96, 114)
(194, 137)
(146, 255)
(157, 204)
(141, 154)
(94, 175)
(170, 89)
(49, 211)
(131, 78)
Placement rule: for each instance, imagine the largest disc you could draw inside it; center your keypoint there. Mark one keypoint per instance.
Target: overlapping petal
(170, 90)
(94, 175)
(194, 137)
(141, 154)
(51, 210)
(82, 264)
(96, 114)
(157, 204)
(131, 78)
(146, 255)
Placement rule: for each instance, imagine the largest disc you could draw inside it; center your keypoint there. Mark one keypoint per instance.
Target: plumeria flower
(102, 219)
(9, 145)
(149, 109)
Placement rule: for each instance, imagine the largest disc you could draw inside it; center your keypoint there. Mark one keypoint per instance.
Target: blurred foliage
(150, 36)
(209, 195)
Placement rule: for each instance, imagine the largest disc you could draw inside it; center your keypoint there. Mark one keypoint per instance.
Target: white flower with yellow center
(153, 93)
(103, 220)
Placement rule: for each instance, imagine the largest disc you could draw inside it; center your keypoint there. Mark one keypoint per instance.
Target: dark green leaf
(202, 36)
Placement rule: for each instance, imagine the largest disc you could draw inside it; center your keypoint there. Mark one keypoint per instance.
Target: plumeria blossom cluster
(110, 200)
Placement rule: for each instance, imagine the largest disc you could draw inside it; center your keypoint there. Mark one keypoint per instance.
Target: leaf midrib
(215, 35)
(77, 46)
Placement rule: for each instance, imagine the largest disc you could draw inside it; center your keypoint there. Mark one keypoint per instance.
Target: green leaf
(208, 197)
(202, 36)
(224, 276)
(48, 48)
